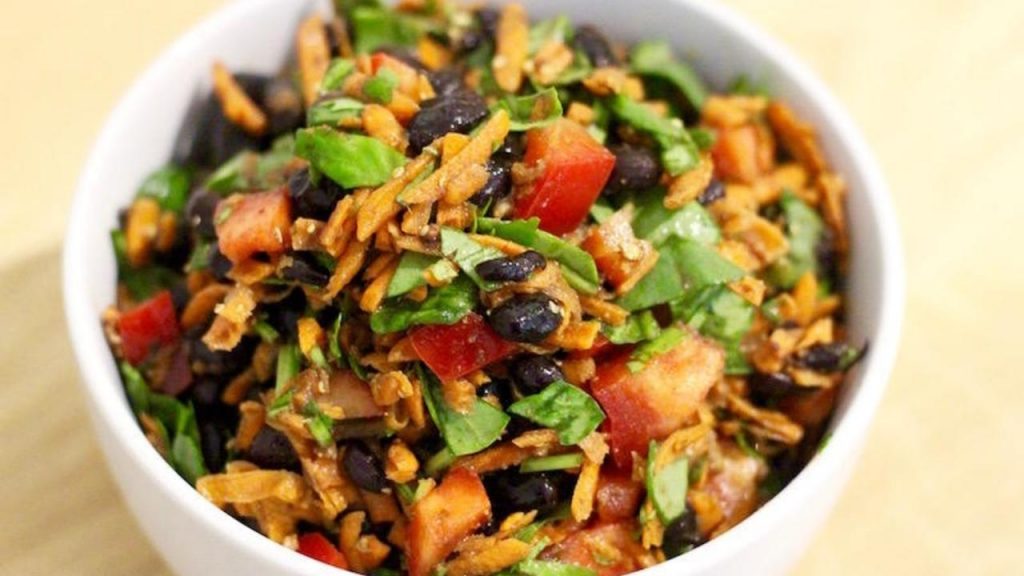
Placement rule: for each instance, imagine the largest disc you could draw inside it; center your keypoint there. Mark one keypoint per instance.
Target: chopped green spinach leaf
(463, 433)
(351, 160)
(570, 411)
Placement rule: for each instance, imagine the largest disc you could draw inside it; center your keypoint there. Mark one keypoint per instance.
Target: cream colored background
(937, 86)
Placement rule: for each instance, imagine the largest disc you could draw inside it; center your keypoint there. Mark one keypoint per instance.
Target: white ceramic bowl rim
(91, 351)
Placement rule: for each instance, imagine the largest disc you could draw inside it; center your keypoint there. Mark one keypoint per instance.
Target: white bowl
(196, 538)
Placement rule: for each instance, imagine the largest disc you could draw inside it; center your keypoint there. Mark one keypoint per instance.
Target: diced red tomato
(575, 170)
(464, 347)
(149, 325)
(588, 549)
(254, 223)
(736, 154)
(618, 496)
(444, 518)
(347, 391)
(407, 75)
(657, 400)
(317, 547)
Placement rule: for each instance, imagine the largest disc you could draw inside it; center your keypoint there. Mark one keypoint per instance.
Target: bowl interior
(257, 36)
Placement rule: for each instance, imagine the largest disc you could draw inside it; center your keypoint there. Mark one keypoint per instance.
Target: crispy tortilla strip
(686, 187)
(380, 123)
(475, 153)
(200, 307)
(488, 558)
(141, 230)
(798, 137)
(253, 486)
(605, 311)
(512, 49)
(235, 103)
(348, 266)
(382, 204)
(314, 55)
(582, 505)
(765, 423)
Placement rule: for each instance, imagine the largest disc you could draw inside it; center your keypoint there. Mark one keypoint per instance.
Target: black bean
(526, 318)
(498, 388)
(218, 263)
(213, 445)
(271, 450)
(469, 41)
(403, 55)
(311, 200)
(365, 468)
(511, 492)
(180, 294)
(488, 18)
(682, 535)
(511, 268)
(827, 358)
(221, 362)
(459, 112)
(498, 185)
(636, 168)
(827, 254)
(206, 393)
(714, 192)
(199, 212)
(305, 269)
(534, 373)
(768, 388)
(284, 314)
(512, 148)
(446, 81)
(283, 106)
(593, 43)
(250, 523)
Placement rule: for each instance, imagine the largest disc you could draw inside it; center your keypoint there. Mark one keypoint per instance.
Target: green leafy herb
(746, 86)
(744, 443)
(637, 328)
(439, 462)
(726, 317)
(169, 186)
(445, 305)
(804, 229)
(652, 221)
(409, 274)
(468, 253)
(380, 86)
(532, 111)
(316, 355)
(266, 332)
(667, 487)
(601, 210)
(375, 27)
(557, 29)
(654, 58)
(550, 568)
(683, 268)
(334, 342)
(548, 463)
(351, 160)
(463, 433)
(199, 259)
(577, 265)
(170, 415)
(142, 281)
(287, 366)
(662, 343)
(281, 403)
(337, 71)
(679, 152)
(563, 407)
(320, 425)
(331, 112)
(248, 170)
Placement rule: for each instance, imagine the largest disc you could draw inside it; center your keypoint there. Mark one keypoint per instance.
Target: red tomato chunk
(317, 547)
(147, 326)
(575, 170)
(464, 347)
(444, 518)
(257, 223)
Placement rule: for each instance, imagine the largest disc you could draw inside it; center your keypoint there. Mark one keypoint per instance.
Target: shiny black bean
(199, 211)
(528, 318)
(682, 535)
(827, 358)
(827, 255)
(459, 112)
(213, 444)
(221, 362)
(533, 374)
(766, 389)
(470, 41)
(593, 43)
(511, 268)
(714, 192)
(305, 269)
(636, 168)
(498, 185)
(446, 81)
(364, 467)
(180, 294)
(271, 450)
(488, 18)
(511, 492)
(206, 393)
(311, 200)
(283, 106)
(284, 314)
(218, 263)
(498, 388)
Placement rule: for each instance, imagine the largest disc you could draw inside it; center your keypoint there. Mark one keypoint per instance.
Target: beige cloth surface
(936, 86)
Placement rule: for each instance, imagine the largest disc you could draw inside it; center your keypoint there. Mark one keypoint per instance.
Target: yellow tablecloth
(935, 84)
